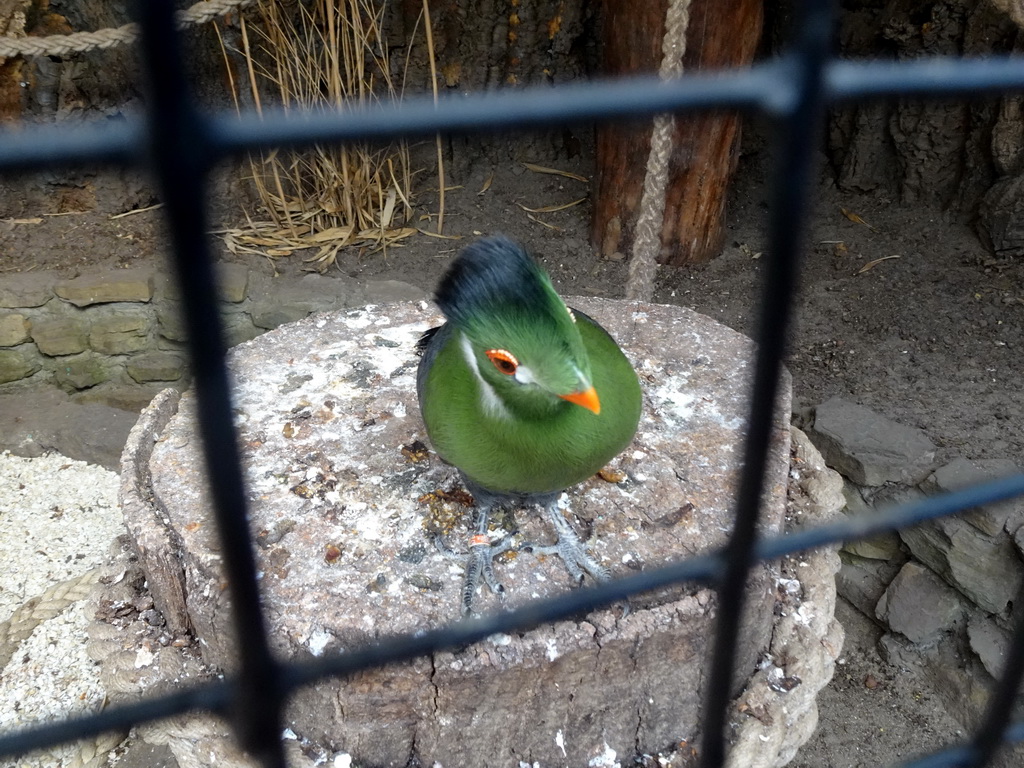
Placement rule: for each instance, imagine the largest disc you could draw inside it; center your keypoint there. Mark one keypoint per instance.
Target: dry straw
(309, 56)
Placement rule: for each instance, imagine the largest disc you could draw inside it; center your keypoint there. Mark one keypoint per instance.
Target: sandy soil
(931, 338)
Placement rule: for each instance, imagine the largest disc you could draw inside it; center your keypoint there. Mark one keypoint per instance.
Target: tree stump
(721, 33)
(345, 501)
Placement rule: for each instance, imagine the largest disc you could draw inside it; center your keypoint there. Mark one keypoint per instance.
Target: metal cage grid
(179, 144)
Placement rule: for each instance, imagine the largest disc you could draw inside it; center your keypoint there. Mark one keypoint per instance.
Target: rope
(647, 233)
(34, 612)
(80, 42)
(92, 753)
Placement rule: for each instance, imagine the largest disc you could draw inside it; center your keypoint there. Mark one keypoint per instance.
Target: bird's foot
(479, 564)
(573, 551)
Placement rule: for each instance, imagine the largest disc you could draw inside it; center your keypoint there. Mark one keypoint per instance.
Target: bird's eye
(503, 360)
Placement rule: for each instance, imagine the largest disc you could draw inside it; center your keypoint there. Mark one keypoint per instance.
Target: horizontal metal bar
(892, 519)
(767, 87)
(107, 142)
(942, 75)
(213, 696)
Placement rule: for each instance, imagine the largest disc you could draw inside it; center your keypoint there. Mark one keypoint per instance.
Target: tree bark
(721, 33)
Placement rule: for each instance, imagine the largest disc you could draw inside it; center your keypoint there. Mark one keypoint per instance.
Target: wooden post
(721, 33)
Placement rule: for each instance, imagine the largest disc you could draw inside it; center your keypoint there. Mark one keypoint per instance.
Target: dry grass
(309, 56)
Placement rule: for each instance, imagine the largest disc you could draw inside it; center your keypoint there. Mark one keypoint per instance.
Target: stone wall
(942, 590)
(116, 336)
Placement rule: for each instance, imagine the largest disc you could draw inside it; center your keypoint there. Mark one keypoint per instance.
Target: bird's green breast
(505, 452)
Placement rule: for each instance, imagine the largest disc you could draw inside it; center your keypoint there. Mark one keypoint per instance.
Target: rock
(868, 448)
(134, 285)
(389, 291)
(80, 372)
(885, 546)
(88, 432)
(170, 323)
(989, 641)
(58, 336)
(239, 328)
(15, 366)
(123, 398)
(13, 330)
(120, 333)
(889, 496)
(807, 637)
(325, 406)
(140, 754)
(863, 581)
(275, 306)
(986, 569)
(156, 366)
(1000, 215)
(918, 604)
(898, 651)
(991, 519)
(31, 289)
(232, 283)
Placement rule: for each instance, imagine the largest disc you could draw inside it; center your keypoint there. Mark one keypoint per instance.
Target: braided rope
(34, 612)
(80, 42)
(647, 234)
(91, 753)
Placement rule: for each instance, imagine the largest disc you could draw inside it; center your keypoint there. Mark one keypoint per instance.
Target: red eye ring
(503, 360)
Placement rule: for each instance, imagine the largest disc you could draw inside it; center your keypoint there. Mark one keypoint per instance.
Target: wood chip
(874, 263)
(554, 171)
(611, 475)
(551, 208)
(531, 217)
(487, 184)
(134, 211)
(856, 219)
(428, 233)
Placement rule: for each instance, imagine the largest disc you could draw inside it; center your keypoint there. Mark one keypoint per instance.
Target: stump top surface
(342, 499)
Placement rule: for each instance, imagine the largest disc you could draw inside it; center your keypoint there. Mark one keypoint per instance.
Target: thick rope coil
(647, 234)
(94, 753)
(34, 612)
(80, 42)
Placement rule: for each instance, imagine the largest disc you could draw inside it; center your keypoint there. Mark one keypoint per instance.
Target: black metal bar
(797, 130)
(211, 697)
(989, 735)
(765, 87)
(180, 155)
(179, 145)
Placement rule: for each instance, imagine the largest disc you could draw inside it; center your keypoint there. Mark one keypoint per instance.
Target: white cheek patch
(524, 375)
(492, 404)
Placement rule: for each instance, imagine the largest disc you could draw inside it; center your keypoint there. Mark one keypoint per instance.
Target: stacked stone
(943, 589)
(116, 336)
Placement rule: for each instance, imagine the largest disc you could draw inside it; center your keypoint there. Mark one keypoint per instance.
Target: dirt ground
(931, 337)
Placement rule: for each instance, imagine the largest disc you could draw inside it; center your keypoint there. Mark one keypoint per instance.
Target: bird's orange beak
(587, 398)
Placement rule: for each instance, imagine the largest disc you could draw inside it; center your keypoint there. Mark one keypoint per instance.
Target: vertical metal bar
(800, 106)
(991, 732)
(180, 158)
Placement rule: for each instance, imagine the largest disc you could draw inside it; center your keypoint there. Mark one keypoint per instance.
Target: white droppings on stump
(345, 501)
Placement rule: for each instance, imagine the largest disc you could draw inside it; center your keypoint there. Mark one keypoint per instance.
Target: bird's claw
(481, 563)
(478, 564)
(573, 551)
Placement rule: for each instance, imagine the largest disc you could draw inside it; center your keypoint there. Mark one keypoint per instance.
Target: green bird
(525, 396)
